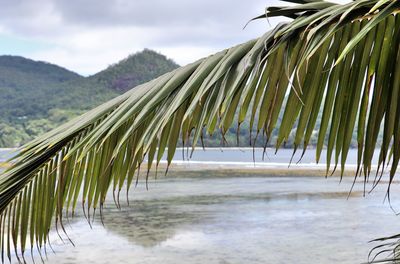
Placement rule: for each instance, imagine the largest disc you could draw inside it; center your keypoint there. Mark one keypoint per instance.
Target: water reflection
(148, 223)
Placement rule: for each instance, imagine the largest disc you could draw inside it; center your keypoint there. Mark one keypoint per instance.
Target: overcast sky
(88, 35)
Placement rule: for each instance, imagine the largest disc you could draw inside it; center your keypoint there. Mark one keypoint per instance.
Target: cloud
(88, 35)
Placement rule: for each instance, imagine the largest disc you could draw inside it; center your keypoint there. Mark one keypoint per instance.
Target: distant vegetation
(134, 70)
(38, 96)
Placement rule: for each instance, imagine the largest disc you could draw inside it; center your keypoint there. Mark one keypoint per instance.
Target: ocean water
(6, 154)
(243, 155)
(228, 216)
(232, 219)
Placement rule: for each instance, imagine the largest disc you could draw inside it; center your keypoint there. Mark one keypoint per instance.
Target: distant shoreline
(273, 169)
(8, 149)
(215, 148)
(261, 167)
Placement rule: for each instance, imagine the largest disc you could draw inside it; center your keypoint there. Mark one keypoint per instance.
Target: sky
(86, 36)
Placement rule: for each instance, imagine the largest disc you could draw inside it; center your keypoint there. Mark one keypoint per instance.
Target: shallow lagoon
(234, 220)
(234, 215)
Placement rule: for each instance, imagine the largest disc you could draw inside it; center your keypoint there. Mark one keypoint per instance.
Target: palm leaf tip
(341, 59)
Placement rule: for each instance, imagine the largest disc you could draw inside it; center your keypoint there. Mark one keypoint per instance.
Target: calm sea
(226, 216)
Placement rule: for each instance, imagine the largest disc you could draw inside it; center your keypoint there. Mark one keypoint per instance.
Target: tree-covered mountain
(37, 96)
(134, 70)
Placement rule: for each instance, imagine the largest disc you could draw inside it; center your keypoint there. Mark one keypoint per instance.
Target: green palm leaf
(343, 59)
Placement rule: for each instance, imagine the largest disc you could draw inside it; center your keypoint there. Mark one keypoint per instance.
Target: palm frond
(343, 59)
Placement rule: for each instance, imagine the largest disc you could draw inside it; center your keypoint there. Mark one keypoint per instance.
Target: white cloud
(88, 35)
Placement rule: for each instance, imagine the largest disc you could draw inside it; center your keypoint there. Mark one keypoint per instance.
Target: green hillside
(38, 96)
(134, 70)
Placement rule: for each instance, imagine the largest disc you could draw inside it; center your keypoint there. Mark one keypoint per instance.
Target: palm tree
(344, 59)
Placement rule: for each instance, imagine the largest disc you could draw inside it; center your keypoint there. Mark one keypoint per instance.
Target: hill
(37, 96)
(26, 66)
(134, 70)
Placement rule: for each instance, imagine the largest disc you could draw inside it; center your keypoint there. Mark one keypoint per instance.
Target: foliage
(343, 59)
(38, 96)
(134, 70)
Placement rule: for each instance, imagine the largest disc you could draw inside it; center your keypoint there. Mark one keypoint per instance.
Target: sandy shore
(259, 168)
(4, 165)
(246, 169)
